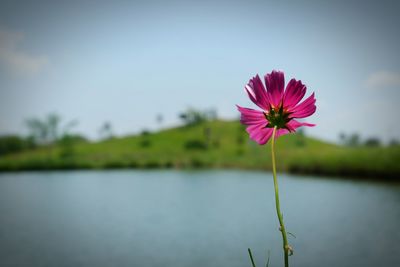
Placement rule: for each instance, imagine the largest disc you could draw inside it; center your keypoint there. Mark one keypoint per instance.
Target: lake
(194, 218)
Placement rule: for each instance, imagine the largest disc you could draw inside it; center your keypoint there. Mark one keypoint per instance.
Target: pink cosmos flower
(279, 107)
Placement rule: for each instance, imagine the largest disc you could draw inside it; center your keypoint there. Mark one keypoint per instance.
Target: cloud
(383, 80)
(16, 59)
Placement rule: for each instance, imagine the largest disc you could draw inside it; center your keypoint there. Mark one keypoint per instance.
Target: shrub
(240, 140)
(196, 163)
(151, 165)
(373, 141)
(145, 143)
(168, 165)
(11, 143)
(195, 145)
(133, 165)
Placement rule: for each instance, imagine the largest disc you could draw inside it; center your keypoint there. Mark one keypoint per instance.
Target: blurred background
(138, 98)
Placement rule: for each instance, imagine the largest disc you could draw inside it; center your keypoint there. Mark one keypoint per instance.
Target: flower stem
(286, 247)
(251, 258)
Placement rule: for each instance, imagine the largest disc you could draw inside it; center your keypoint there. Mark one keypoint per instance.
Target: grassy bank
(217, 144)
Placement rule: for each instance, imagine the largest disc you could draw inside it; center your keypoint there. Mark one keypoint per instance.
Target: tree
(38, 130)
(48, 130)
(52, 123)
(353, 140)
(373, 141)
(11, 143)
(106, 131)
(342, 138)
(68, 140)
(211, 114)
(159, 118)
(192, 117)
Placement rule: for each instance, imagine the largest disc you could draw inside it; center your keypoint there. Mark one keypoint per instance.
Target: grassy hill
(217, 144)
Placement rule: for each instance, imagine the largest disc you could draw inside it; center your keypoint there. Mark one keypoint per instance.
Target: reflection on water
(208, 218)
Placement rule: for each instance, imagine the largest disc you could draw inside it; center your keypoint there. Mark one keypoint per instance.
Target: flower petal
(275, 83)
(295, 91)
(256, 122)
(259, 133)
(257, 93)
(293, 125)
(250, 116)
(305, 108)
(281, 132)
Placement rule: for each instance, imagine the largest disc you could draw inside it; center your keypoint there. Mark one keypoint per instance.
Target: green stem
(251, 258)
(286, 247)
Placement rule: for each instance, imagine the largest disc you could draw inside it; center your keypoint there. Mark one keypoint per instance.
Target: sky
(128, 61)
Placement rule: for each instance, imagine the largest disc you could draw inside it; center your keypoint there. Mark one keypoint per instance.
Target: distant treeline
(13, 143)
(200, 143)
(53, 130)
(48, 131)
(354, 140)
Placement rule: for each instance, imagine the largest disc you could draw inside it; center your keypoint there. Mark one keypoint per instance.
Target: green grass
(227, 146)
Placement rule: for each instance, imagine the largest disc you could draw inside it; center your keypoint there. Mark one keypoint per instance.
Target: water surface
(183, 218)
